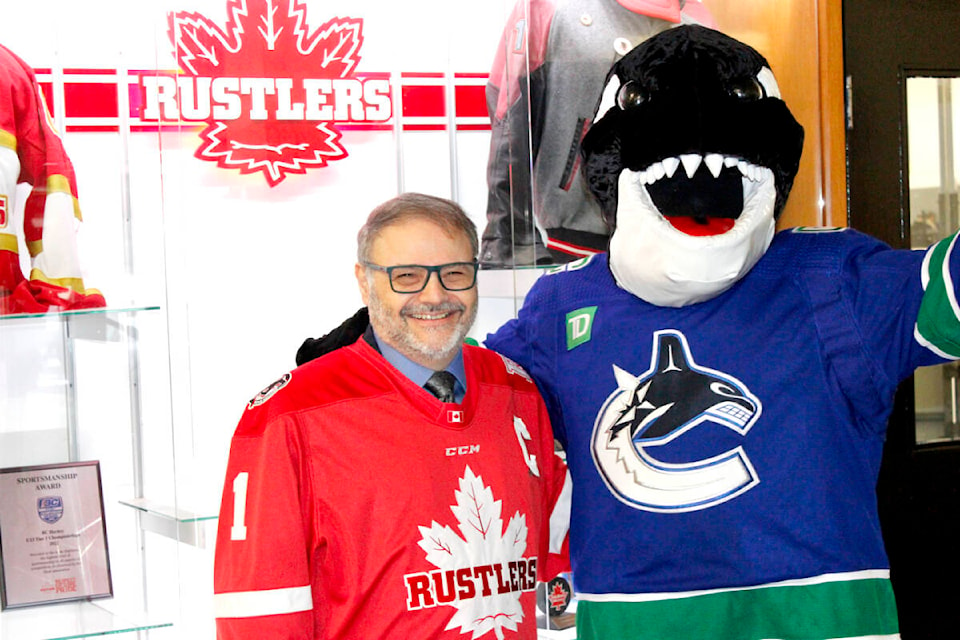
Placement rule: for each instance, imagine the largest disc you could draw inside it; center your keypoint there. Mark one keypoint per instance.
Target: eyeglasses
(413, 278)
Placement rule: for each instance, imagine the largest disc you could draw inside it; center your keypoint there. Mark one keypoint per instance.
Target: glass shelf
(100, 311)
(70, 620)
(178, 524)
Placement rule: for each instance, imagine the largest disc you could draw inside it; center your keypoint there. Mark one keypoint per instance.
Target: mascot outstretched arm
(722, 390)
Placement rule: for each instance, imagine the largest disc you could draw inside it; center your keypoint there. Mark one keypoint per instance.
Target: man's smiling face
(429, 326)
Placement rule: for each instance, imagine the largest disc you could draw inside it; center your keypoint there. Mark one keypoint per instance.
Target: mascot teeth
(715, 162)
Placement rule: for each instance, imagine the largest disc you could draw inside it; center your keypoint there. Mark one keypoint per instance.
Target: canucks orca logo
(670, 399)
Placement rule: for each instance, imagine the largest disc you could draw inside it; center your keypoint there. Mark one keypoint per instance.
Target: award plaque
(53, 538)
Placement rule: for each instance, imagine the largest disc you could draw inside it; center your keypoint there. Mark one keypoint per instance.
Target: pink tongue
(691, 227)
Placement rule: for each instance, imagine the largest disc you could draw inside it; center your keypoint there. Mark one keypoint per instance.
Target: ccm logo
(465, 450)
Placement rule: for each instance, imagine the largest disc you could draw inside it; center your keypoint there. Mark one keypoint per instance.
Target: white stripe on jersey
(895, 636)
(926, 344)
(560, 518)
(573, 249)
(251, 604)
(826, 578)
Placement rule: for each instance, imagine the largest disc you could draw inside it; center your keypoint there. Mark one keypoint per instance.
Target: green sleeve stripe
(938, 323)
(847, 609)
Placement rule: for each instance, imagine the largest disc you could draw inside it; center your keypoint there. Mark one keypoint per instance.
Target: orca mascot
(722, 390)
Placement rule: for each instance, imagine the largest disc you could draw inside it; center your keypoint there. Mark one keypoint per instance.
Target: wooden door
(802, 40)
(902, 58)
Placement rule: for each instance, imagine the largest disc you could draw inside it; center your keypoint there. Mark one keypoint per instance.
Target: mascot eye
(746, 89)
(630, 95)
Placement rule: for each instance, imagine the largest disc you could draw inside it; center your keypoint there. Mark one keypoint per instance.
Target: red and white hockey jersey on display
(32, 152)
(357, 505)
(547, 76)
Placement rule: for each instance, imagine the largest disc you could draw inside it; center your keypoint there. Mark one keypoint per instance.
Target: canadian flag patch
(454, 416)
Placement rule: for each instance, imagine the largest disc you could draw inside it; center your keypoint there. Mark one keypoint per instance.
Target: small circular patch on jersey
(269, 391)
(586, 20)
(514, 368)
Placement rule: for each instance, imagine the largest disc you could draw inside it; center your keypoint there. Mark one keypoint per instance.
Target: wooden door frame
(803, 41)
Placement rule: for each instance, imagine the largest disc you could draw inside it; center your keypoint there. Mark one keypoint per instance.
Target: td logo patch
(579, 326)
(673, 397)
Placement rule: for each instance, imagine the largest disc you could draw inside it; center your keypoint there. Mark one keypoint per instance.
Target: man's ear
(361, 272)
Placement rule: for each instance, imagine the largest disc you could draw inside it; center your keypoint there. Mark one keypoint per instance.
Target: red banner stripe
(423, 102)
(471, 102)
(90, 100)
(92, 93)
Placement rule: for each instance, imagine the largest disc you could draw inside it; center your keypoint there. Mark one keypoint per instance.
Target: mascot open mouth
(703, 195)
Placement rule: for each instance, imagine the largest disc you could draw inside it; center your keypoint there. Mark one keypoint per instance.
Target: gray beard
(394, 332)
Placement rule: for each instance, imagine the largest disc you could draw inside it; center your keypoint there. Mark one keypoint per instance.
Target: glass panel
(71, 620)
(931, 112)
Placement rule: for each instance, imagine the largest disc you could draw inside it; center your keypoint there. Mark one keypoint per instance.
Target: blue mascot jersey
(725, 454)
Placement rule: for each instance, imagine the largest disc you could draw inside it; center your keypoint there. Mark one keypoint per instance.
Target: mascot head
(692, 159)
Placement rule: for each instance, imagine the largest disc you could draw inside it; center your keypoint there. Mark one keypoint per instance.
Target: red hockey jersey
(357, 505)
(32, 152)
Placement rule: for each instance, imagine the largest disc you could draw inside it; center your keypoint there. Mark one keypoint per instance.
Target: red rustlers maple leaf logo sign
(269, 88)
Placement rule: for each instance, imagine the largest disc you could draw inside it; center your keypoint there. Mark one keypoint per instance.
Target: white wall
(242, 272)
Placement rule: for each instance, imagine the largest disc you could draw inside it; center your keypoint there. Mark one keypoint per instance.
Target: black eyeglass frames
(413, 278)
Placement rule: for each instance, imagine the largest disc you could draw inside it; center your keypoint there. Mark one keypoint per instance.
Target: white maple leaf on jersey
(483, 541)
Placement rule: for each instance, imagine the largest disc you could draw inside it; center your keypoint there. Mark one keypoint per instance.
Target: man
(357, 504)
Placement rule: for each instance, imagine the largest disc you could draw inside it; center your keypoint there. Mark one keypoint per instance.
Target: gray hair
(444, 213)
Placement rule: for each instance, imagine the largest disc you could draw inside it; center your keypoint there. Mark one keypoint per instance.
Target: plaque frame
(91, 533)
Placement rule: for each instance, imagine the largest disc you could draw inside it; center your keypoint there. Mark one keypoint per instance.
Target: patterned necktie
(441, 384)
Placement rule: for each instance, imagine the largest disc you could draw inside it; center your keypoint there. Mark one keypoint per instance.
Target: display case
(96, 384)
(216, 265)
(72, 391)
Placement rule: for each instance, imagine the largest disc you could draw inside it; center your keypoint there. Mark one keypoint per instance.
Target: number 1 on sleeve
(239, 530)
(519, 29)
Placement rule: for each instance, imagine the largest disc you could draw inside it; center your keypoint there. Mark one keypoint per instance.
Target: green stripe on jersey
(937, 322)
(846, 609)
